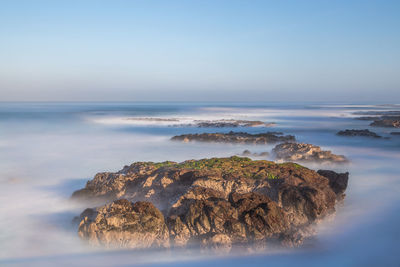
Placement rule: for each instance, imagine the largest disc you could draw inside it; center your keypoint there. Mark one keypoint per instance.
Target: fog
(49, 150)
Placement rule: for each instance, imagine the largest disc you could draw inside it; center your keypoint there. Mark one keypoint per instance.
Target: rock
(337, 181)
(124, 224)
(305, 152)
(231, 123)
(217, 243)
(395, 133)
(236, 137)
(365, 132)
(216, 203)
(247, 153)
(389, 119)
(392, 122)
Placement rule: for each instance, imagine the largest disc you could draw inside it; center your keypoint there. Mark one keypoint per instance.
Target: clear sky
(323, 50)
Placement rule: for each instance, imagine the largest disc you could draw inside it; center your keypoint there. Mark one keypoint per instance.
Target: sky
(201, 50)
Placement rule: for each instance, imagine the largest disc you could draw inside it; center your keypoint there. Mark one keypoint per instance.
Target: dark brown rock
(337, 181)
(236, 137)
(364, 133)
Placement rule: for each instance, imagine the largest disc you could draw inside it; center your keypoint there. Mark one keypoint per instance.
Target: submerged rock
(216, 203)
(365, 132)
(236, 137)
(247, 153)
(306, 152)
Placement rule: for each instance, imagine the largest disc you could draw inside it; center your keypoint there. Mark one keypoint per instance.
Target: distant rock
(236, 137)
(215, 204)
(151, 119)
(365, 133)
(230, 123)
(306, 152)
(395, 133)
(391, 122)
(247, 153)
(390, 119)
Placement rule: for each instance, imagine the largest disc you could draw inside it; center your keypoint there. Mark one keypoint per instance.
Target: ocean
(49, 150)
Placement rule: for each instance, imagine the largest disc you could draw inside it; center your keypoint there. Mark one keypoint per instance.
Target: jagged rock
(124, 224)
(305, 152)
(213, 203)
(337, 181)
(365, 132)
(236, 137)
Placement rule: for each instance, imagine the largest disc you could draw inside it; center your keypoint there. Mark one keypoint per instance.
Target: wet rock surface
(217, 204)
(306, 152)
(236, 137)
(364, 133)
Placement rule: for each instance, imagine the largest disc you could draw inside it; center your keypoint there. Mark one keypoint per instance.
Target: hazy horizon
(200, 51)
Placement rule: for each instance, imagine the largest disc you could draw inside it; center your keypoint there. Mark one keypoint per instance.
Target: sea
(50, 149)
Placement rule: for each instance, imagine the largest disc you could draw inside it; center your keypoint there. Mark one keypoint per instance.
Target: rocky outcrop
(337, 181)
(391, 122)
(389, 119)
(247, 153)
(236, 137)
(306, 152)
(124, 224)
(216, 203)
(229, 123)
(365, 133)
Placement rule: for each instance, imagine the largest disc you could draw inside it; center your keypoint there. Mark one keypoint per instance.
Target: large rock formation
(236, 137)
(365, 133)
(306, 152)
(213, 203)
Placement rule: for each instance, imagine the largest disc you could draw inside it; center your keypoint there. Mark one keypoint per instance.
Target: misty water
(48, 150)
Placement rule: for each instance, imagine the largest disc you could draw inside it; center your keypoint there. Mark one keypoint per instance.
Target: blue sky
(200, 50)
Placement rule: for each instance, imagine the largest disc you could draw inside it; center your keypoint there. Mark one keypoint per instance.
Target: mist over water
(49, 150)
